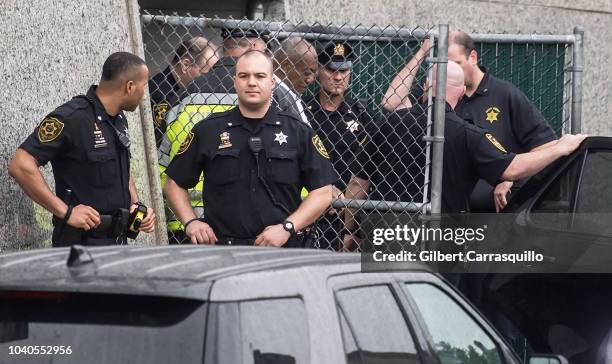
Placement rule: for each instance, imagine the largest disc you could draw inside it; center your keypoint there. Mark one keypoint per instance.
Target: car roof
(185, 271)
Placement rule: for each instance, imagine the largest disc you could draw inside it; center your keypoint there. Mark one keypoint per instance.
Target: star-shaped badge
(352, 125)
(280, 138)
(492, 113)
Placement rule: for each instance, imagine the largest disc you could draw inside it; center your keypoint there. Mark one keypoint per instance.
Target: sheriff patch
(495, 143)
(160, 111)
(318, 144)
(49, 129)
(185, 144)
(492, 113)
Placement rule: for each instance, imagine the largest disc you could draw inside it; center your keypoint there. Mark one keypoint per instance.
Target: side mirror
(547, 359)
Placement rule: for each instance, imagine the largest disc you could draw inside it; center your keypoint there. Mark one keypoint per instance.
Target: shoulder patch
(185, 144)
(49, 129)
(159, 111)
(495, 143)
(318, 144)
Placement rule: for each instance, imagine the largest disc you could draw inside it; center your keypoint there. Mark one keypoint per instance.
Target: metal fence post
(439, 115)
(577, 73)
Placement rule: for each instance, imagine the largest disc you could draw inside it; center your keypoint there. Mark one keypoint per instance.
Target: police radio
(136, 217)
(256, 146)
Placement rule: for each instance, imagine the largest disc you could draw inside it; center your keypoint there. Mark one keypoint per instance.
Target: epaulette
(75, 104)
(216, 115)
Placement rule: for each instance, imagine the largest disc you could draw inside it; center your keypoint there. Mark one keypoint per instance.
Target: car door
(376, 326)
(569, 220)
(455, 332)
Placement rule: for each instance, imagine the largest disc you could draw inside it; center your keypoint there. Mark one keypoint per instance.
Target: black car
(565, 214)
(194, 304)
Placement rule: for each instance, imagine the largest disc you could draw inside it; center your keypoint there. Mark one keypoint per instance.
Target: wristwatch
(288, 226)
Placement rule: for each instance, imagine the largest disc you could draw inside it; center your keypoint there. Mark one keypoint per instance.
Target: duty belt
(226, 240)
(111, 225)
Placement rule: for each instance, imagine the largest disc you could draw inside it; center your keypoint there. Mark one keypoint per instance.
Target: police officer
(208, 93)
(491, 103)
(502, 109)
(470, 153)
(87, 143)
(342, 122)
(192, 58)
(255, 160)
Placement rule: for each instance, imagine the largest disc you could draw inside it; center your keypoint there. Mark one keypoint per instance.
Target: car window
(258, 332)
(373, 327)
(99, 328)
(456, 337)
(594, 203)
(553, 207)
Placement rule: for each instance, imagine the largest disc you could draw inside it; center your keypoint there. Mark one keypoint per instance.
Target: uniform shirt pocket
(283, 166)
(224, 167)
(103, 167)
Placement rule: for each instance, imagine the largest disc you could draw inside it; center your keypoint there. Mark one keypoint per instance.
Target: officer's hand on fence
(500, 195)
(273, 235)
(569, 143)
(426, 45)
(148, 223)
(338, 195)
(201, 233)
(84, 217)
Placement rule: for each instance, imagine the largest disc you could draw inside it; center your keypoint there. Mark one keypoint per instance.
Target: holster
(111, 226)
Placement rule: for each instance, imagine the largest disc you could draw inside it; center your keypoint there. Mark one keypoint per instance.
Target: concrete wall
(53, 50)
(510, 16)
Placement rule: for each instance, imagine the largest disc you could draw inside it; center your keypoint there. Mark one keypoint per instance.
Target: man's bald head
(296, 63)
(455, 82)
(294, 49)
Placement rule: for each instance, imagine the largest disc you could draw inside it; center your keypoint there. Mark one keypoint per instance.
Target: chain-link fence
(352, 85)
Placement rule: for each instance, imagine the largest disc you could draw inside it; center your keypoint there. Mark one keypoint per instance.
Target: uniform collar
(346, 105)
(483, 87)
(449, 108)
(314, 104)
(98, 107)
(271, 118)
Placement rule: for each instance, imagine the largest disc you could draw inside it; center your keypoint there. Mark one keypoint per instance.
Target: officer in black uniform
(390, 167)
(87, 143)
(342, 122)
(191, 59)
(470, 152)
(502, 109)
(255, 161)
(207, 93)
